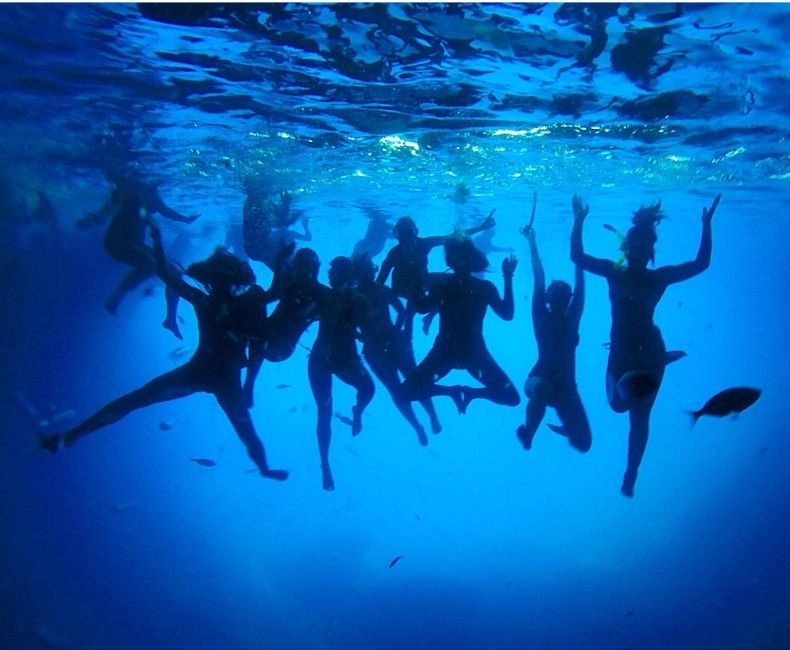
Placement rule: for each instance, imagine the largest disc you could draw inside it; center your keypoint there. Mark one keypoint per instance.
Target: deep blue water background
(122, 542)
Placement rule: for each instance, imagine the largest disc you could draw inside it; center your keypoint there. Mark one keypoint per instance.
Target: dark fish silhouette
(732, 400)
(282, 386)
(205, 462)
(395, 560)
(165, 425)
(344, 419)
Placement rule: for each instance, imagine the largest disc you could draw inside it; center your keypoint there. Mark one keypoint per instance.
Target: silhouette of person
(637, 354)
(129, 207)
(334, 352)
(266, 224)
(386, 348)
(462, 301)
(556, 314)
(216, 365)
(378, 231)
(408, 262)
(300, 295)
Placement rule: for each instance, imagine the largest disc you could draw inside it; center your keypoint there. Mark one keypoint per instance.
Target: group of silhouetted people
(237, 333)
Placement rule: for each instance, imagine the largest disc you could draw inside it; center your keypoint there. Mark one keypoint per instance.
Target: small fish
(344, 419)
(205, 462)
(395, 560)
(165, 425)
(732, 400)
(282, 386)
(629, 613)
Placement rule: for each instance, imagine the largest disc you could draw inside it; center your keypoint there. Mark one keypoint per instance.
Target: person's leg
(169, 386)
(497, 386)
(355, 374)
(131, 281)
(387, 373)
(420, 384)
(407, 365)
(171, 317)
(321, 385)
(536, 390)
(232, 400)
(575, 425)
(639, 416)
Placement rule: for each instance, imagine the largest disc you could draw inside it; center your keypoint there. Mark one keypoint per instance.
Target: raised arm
(487, 223)
(680, 272)
(439, 240)
(539, 291)
(577, 302)
(504, 307)
(165, 271)
(578, 256)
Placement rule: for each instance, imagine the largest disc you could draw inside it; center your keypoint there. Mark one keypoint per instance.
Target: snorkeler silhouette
(462, 301)
(556, 314)
(266, 224)
(300, 295)
(216, 365)
(129, 207)
(334, 352)
(408, 262)
(637, 355)
(386, 347)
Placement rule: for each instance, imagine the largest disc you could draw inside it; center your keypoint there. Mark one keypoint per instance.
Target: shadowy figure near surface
(129, 207)
(377, 233)
(386, 348)
(637, 355)
(334, 352)
(266, 224)
(216, 365)
(556, 314)
(408, 262)
(462, 301)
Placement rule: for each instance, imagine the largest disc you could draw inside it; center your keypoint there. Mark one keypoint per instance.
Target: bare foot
(276, 474)
(526, 440)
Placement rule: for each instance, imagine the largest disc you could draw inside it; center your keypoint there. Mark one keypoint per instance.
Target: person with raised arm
(637, 354)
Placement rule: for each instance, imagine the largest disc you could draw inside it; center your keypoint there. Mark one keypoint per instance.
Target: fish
(282, 386)
(344, 419)
(395, 560)
(205, 462)
(165, 425)
(732, 400)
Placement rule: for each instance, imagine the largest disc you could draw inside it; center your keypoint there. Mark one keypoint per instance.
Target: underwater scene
(475, 326)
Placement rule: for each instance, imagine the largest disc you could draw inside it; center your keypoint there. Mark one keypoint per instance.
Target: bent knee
(511, 396)
(581, 443)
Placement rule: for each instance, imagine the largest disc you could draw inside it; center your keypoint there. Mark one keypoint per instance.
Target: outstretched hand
(580, 211)
(707, 213)
(529, 233)
(509, 265)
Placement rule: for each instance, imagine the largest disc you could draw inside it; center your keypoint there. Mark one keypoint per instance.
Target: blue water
(122, 542)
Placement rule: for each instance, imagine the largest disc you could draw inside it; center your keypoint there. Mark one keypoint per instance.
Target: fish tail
(694, 417)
